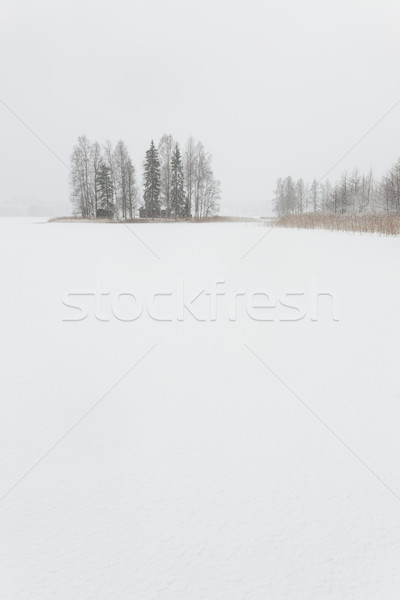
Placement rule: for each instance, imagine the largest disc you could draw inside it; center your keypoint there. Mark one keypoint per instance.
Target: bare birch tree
(165, 152)
(189, 168)
(125, 181)
(95, 154)
(109, 159)
(81, 178)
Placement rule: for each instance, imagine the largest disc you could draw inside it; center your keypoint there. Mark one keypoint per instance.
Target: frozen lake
(245, 439)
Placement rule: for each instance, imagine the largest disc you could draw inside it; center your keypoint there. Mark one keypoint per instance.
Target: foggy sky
(270, 88)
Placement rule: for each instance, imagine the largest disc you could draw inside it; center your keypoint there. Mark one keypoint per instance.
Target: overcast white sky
(271, 87)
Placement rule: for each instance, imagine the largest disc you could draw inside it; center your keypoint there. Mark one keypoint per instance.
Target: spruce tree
(151, 193)
(178, 202)
(104, 191)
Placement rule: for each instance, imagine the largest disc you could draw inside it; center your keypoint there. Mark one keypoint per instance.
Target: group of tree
(103, 180)
(352, 194)
(176, 185)
(181, 185)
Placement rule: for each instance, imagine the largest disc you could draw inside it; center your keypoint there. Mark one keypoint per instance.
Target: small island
(176, 185)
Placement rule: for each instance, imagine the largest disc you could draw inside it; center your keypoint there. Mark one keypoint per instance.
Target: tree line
(175, 185)
(352, 194)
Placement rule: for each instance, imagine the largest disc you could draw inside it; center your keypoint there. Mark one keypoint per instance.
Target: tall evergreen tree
(151, 193)
(105, 191)
(178, 201)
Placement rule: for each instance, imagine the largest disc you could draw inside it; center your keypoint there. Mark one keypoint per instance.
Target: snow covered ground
(201, 473)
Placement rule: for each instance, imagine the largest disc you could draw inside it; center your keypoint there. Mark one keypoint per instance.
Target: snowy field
(253, 453)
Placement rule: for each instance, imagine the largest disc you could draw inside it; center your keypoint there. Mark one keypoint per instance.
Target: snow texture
(200, 476)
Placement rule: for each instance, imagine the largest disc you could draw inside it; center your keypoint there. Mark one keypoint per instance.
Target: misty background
(270, 88)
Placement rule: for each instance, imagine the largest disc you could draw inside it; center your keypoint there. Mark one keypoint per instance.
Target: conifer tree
(178, 201)
(151, 193)
(105, 191)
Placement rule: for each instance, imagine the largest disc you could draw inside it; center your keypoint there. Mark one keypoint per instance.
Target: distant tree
(352, 194)
(390, 189)
(300, 196)
(278, 202)
(205, 190)
(103, 180)
(344, 193)
(190, 158)
(187, 212)
(165, 151)
(95, 156)
(105, 191)
(355, 192)
(151, 194)
(120, 158)
(177, 190)
(314, 193)
(369, 196)
(326, 196)
(109, 159)
(131, 189)
(336, 198)
(124, 180)
(81, 178)
(212, 195)
(199, 173)
(290, 196)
